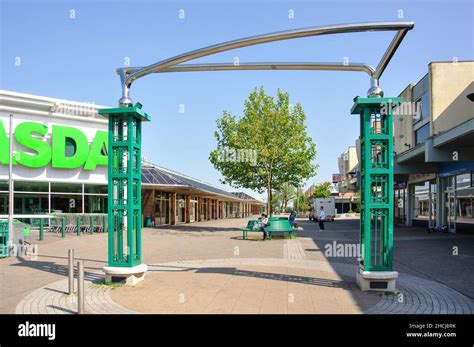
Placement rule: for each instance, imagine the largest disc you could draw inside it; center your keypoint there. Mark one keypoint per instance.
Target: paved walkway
(208, 268)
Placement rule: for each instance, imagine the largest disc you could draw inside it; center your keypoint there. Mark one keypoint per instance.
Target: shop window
(421, 200)
(95, 204)
(95, 188)
(422, 133)
(20, 186)
(3, 203)
(64, 187)
(423, 107)
(30, 204)
(4, 186)
(463, 181)
(66, 204)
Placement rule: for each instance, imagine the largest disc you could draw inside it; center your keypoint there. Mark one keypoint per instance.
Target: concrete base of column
(382, 281)
(126, 275)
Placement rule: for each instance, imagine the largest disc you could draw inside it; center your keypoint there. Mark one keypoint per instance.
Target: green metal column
(41, 229)
(376, 181)
(78, 225)
(3, 238)
(63, 226)
(124, 181)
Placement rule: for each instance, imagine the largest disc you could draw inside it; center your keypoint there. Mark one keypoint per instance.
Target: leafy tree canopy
(265, 148)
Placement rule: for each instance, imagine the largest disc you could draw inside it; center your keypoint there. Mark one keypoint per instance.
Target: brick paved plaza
(208, 268)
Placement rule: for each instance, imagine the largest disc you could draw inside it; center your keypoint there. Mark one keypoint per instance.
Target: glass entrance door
(451, 210)
(192, 212)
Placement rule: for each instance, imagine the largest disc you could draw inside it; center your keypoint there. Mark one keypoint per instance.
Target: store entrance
(192, 211)
(450, 210)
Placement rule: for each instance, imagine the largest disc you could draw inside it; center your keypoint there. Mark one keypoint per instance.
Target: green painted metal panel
(124, 176)
(376, 169)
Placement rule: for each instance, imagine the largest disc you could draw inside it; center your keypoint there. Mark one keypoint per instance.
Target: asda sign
(69, 148)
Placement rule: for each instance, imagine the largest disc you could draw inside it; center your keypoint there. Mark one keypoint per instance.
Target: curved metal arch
(361, 67)
(129, 75)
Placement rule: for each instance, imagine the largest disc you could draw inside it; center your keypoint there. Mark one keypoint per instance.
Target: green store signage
(31, 135)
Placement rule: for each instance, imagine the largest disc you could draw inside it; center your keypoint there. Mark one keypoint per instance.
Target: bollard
(80, 287)
(41, 231)
(91, 223)
(71, 271)
(78, 222)
(63, 227)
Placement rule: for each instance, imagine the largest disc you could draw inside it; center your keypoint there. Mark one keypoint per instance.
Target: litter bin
(148, 222)
(3, 238)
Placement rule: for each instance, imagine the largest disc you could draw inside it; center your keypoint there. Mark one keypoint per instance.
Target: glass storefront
(203, 209)
(162, 208)
(459, 195)
(192, 209)
(424, 201)
(400, 193)
(45, 197)
(180, 209)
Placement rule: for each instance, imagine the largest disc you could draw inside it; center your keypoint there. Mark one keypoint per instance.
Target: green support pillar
(63, 226)
(124, 194)
(376, 192)
(41, 229)
(78, 226)
(91, 224)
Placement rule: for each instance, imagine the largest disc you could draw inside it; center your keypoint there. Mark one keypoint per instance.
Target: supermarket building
(59, 165)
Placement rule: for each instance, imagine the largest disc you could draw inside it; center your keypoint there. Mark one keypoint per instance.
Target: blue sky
(76, 58)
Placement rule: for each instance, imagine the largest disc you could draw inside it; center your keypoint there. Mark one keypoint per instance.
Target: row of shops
(445, 198)
(58, 165)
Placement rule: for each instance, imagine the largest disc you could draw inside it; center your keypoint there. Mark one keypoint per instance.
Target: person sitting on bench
(292, 219)
(263, 225)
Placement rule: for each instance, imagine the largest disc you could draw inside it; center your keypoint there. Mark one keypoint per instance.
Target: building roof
(243, 196)
(156, 175)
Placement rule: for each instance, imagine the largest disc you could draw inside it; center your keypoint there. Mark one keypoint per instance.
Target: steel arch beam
(174, 64)
(361, 67)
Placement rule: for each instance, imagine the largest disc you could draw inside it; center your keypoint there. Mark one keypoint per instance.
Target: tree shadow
(275, 277)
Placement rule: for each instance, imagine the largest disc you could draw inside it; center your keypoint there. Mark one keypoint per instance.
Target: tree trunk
(269, 198)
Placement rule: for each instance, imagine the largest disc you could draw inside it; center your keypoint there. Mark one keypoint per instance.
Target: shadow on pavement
(57, 269)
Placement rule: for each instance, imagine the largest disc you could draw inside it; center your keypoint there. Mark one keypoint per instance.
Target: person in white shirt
(263, 225)
(321, 219)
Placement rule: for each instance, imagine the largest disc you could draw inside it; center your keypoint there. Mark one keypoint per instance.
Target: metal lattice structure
(376, 235)
(124, 193)
(376, 174)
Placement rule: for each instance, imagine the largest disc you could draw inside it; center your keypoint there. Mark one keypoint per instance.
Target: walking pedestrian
(321, 219)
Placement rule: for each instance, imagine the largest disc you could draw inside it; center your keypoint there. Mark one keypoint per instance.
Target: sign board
(40, 153)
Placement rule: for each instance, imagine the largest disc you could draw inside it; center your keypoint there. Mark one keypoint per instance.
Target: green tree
(356, 203)
(265, 148)
(322, 190)
(285, 193)
(300, 201)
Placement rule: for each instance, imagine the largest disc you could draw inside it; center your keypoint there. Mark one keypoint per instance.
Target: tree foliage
(322, 190)
(272, 141)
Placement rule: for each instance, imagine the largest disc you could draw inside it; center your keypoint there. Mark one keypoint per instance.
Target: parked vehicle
(329, 205)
